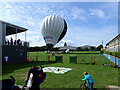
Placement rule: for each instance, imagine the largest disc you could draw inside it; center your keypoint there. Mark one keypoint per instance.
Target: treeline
(44, 48)
(86, 49)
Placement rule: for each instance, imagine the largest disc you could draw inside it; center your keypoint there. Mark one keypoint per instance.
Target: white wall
(115, 48)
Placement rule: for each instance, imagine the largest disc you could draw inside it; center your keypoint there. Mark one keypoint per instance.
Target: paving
(111, 87)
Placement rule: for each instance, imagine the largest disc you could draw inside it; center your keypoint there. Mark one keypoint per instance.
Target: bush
(116, 54)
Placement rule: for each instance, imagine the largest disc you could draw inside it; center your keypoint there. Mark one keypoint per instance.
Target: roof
(86, 46)
(67, 47)
(13, 29)
(118, 36)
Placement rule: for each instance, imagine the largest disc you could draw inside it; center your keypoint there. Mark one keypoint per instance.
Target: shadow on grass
(9, 68)
(80, 53)
(88, 63)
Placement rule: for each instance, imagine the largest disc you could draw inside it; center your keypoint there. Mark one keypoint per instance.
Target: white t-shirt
(6, 58)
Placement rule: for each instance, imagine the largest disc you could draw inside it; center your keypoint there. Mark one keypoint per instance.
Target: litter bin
(58, 59)
(73, 59)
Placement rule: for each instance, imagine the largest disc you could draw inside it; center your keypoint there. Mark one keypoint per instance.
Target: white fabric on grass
(57, 70)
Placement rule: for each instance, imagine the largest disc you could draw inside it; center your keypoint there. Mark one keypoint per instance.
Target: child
(89, 79)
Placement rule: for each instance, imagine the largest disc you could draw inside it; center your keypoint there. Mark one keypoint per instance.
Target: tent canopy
(67, 47)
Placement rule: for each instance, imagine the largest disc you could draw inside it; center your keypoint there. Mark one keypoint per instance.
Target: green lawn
(102, 75)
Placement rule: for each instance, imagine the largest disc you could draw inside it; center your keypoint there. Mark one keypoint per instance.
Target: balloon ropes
(53, 29)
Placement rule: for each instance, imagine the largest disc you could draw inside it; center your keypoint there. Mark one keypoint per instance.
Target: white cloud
(32, 32)
(85, 14)
(98, 13)
(77, 13)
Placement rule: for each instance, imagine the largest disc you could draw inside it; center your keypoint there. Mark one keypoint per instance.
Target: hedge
(116, 54)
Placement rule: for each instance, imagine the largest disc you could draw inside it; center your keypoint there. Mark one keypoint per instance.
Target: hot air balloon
(53, 29)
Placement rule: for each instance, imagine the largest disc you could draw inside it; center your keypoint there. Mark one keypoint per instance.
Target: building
(81, 48)
(87, 48)
(16, 50)
(114, 44)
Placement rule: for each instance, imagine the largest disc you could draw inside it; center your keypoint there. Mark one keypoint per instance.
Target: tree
(65, 44)
(92, 48)
(99, 47)
(87, 49)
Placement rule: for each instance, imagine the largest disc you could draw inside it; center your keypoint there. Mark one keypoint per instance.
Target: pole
(62, 58)
(102, 44)
(94, 59)
(5, 32)
(16, 34)
(25, 35)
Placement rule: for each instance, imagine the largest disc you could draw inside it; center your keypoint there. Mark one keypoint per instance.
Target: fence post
(48, 58)
(77, 59)
(94, 59)
(36, 58)
(62, 58)
(115, 63)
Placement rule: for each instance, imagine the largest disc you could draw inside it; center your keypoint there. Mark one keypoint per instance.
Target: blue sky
(89, 23)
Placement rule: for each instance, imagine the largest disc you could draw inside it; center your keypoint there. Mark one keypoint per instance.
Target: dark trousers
(91, 86)
(35, 86)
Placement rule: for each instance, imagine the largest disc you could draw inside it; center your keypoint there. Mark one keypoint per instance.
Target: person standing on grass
(37, 78)
(89, 79)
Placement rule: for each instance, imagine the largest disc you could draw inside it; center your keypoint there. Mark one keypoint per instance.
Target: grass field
(102, 75)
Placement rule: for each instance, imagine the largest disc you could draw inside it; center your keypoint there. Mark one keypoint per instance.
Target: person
(6, 42)
(15, 42)
(18, 42)
(6, 59)
(89, 79)
(11, 41)
(38, 77)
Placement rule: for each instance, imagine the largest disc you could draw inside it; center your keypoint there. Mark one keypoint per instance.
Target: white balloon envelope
(53, 29)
